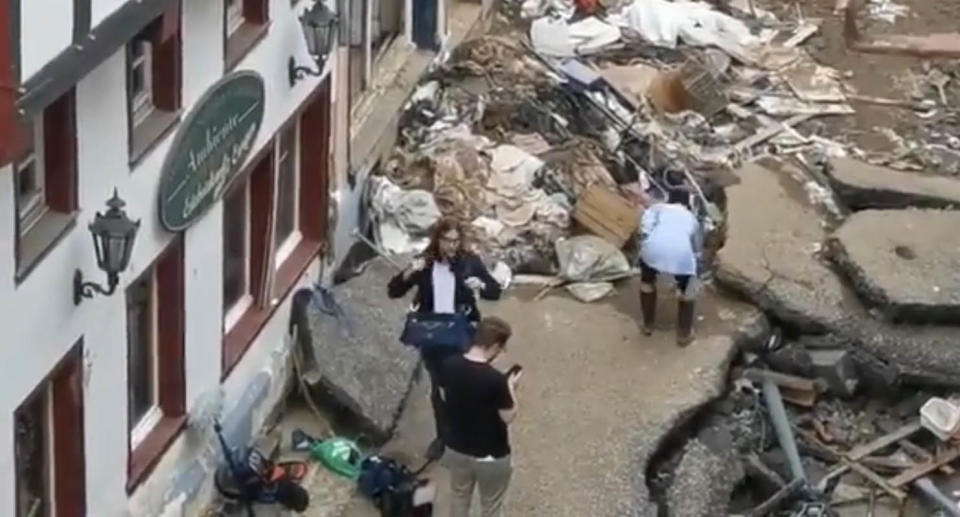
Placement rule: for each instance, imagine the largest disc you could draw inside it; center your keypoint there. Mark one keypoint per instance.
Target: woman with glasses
(448, 278)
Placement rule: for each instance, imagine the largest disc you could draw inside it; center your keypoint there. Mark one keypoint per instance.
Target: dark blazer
(463, 268)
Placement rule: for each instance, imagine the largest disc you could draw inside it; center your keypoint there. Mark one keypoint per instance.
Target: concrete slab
(770, 255)
(703, 481)
(358, 356)
(904, 262)
(862, 185)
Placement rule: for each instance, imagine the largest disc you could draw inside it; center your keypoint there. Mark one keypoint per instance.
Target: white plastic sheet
(554, 37)
(665, 23)
(404, 217)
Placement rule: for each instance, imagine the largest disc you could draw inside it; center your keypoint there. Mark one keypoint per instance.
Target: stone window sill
(145, 457)
(147, 134)
(41, 239)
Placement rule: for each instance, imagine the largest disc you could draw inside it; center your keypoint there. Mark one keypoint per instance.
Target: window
(31, 199)
(155, 378)
(234, 16)
(274, 225)
(357, 79)
(244, 23)
(153, 81)
(236, 254)
(45, 182)
(286, 233)
(386, 24)
(48, 434)
(141, 80)
(143, 396)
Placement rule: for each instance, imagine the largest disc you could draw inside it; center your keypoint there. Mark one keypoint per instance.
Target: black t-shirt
(474, 393)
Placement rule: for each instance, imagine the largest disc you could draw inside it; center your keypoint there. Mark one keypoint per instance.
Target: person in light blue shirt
(670, 243)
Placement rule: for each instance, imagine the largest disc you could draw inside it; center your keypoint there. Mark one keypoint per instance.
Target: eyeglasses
(450, 239)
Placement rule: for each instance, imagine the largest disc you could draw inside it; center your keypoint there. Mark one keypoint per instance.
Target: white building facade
(187, 109)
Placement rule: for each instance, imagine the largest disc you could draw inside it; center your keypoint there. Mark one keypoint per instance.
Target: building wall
(38, 318)
(46, 28)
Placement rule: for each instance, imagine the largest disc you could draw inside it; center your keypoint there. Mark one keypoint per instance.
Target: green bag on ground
(340, 455)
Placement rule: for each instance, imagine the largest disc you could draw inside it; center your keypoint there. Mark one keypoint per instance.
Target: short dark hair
(679, 196)
(492, 331)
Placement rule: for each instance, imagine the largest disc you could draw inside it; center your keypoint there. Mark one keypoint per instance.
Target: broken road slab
(904, 262)
(358, 356)
(769, 255)
(862, 185)
(704, 479)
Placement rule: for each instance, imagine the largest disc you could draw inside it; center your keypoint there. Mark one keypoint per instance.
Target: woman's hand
(416, 264)
(474, 283)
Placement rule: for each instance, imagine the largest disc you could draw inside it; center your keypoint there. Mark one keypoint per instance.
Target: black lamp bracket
(83, 289)
(299, 72)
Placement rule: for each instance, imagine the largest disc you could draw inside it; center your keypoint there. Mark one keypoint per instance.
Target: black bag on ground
(391, 486)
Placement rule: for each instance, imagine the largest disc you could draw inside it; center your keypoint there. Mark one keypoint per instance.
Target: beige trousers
(490, 477)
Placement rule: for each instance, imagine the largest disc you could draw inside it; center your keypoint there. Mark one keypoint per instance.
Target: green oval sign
(210, 148)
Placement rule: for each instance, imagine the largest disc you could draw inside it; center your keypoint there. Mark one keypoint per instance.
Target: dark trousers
(432, 363)
(648, 275)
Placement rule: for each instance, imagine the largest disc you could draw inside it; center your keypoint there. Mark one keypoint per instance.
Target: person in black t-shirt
(480, 402)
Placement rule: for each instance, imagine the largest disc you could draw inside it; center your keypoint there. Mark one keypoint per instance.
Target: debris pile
(801, 432)
(554, 125)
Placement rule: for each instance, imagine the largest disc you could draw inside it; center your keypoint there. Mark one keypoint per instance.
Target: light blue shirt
(671, 239)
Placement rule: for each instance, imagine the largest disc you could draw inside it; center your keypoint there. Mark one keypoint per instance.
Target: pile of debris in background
(594, 110)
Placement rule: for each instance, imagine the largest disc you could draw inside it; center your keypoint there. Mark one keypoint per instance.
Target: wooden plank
(782, 380)
(921, 454)
(606, 214)
(875, 478)
(800, 398)
(911, 475)
(884, 441)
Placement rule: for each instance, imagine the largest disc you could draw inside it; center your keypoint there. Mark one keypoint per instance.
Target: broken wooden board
(867, 449)
(932, 45)
(876, 479)
(910, 475)
(606, 214)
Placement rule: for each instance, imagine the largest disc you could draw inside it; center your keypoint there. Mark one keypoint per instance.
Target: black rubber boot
(648, 309)
(685, 315)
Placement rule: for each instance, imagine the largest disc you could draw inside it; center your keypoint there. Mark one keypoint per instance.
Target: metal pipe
(771, 393)
(948, 505)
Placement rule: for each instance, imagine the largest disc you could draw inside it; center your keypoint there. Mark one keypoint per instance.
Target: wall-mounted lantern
(319, 25)
(113, 236)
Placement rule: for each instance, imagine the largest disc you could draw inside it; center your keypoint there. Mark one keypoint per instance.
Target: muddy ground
(893, 77)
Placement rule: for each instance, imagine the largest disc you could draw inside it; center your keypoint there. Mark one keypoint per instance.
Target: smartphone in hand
(515, 369)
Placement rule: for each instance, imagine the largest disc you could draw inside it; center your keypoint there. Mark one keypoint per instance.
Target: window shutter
(166, 61)
(261, 228)
(69, 471)
(256, 11)
(170, 325)
(314, 158)
(59, 148)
